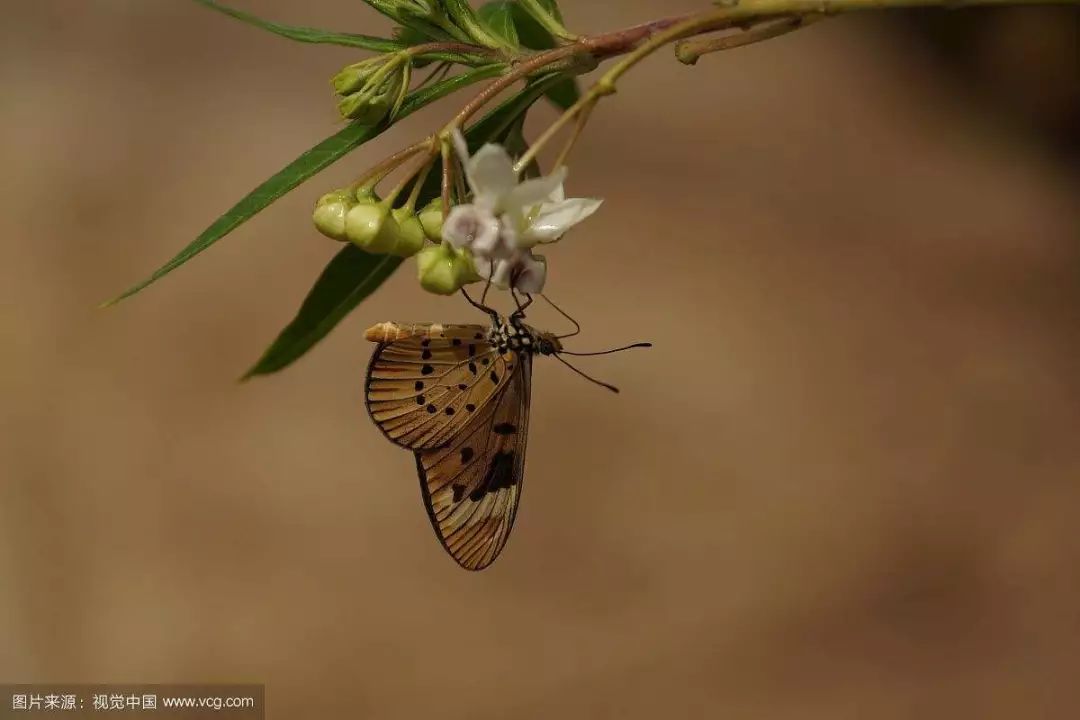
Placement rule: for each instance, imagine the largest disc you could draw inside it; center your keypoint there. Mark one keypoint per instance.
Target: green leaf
(428, 28)
(306, 34)
(552, 6)
(349, 278)
(311, 162)
(498, 16)
(534, 36)
(353, 274)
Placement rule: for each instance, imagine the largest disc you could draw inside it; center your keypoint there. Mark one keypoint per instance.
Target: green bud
(431, 219)
(423, 9)
(410, 233)
(364, 108)
(370, 227)
(330, 212)
(397, 8)
(352, 77)
(379, 93)
(443, 270)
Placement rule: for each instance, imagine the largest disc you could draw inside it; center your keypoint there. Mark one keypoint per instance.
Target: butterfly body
(457, 396)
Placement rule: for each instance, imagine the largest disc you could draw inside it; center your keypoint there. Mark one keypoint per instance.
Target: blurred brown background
(842, 485)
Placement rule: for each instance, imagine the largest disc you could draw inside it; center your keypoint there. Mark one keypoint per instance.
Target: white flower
(468, 226)
(553, 217)
(522, 270)
(533, 211)
(507, 217)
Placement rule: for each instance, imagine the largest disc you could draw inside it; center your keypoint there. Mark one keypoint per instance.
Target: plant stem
(519, 71)
(376, 173)
(641, 41)
(688, 51)
(442, 49)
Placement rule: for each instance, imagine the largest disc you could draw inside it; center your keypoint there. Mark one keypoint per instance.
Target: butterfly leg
(480, 305)
(521, 307)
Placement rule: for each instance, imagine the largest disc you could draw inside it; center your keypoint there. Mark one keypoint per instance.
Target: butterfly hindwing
(472, 486)
(426, 383)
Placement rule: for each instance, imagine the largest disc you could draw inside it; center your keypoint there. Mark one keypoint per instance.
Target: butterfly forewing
(472, 486)
(425, 383)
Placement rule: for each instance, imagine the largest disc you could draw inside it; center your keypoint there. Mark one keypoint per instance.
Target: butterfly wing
(472, 486)
(426, 383)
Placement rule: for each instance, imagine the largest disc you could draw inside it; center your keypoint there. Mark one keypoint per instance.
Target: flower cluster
(489, 239)
(369, 223)
(507, 218)
(371, 89)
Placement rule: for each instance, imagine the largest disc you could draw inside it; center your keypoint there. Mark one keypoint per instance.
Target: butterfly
(458, 397)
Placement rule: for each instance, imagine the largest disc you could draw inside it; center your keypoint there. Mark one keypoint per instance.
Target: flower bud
(410, 233)
(330, 212)
(423, 9)
(352, 77)
(443, 270)
(379, 93)
(370, 227)
(431, 219)
(364, 108)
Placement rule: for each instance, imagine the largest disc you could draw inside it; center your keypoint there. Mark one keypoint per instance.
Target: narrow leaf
(349, 278)
(498, 16)
(552, 6)
(306, 34)
(311, 162)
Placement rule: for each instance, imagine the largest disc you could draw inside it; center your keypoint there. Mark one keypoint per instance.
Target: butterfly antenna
(577, 325)
(608, 352)
(591, 379)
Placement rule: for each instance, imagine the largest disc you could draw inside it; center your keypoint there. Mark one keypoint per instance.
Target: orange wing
(472, 486)
(427, 382)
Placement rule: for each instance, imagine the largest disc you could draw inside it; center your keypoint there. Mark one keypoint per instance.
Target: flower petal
(496, 271)
(531, 273)
(461, 145)
(554, 219)
(468, 226)
(491, 175)
(535, 191)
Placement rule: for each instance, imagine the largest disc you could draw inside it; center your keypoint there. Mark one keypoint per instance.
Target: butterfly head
(547, 343)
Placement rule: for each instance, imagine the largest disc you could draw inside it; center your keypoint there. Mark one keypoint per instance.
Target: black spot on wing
(427, 370)
(466, 455)
(504, 428)
(499, 476)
